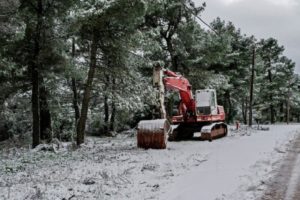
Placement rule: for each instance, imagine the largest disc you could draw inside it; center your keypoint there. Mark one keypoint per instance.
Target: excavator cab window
(172, 101)
(205, 102)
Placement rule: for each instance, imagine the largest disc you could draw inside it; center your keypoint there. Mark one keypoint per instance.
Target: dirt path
(286, 184)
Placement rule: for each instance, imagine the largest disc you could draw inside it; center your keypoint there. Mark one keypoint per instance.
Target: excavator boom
(172, 81)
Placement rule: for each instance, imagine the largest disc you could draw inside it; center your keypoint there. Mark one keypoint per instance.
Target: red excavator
(197, 113)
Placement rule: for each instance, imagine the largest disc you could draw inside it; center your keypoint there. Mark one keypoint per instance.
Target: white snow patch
(237, 166)
(232, 168)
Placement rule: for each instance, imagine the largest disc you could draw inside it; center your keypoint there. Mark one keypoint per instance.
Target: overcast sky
(279, 19)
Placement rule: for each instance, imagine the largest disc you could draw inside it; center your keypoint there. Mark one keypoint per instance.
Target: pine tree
(270, 51)
(113, 22)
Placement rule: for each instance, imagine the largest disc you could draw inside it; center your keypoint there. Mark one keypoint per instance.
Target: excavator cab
(206, 102)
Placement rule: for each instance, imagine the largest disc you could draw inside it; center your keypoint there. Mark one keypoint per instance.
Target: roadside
(285, 184)
(114, 168)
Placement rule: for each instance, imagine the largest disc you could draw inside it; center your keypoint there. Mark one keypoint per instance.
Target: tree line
(71, 67)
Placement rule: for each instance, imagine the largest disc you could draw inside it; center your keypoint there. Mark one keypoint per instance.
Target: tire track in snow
(293, 183)
(286, 183)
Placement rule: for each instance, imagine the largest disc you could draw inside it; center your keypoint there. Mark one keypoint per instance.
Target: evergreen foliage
(71, 67)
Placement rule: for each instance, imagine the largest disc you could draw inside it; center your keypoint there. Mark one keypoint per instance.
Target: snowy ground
(235, 167)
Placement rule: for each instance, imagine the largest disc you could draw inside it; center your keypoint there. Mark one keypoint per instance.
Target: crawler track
(209, 131)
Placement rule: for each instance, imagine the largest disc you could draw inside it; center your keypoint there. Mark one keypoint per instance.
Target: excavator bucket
(152, 134)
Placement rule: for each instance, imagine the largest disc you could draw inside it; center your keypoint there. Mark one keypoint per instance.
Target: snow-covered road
(237, 166)
(233, 168)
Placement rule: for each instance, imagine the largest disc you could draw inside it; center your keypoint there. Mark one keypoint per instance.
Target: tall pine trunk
(74, 89)
(106, 114)
(34, 64)
(106, 106)
(251, 88)
(288, 103)
(113, 116)
(229, 106)
(244, 109)
(35, 106)
(272, 111)
(282, 112)
(87, 91)
(45, 116)
(113, 107)
(75, 100)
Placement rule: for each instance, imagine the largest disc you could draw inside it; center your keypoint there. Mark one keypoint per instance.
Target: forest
(70, 68)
